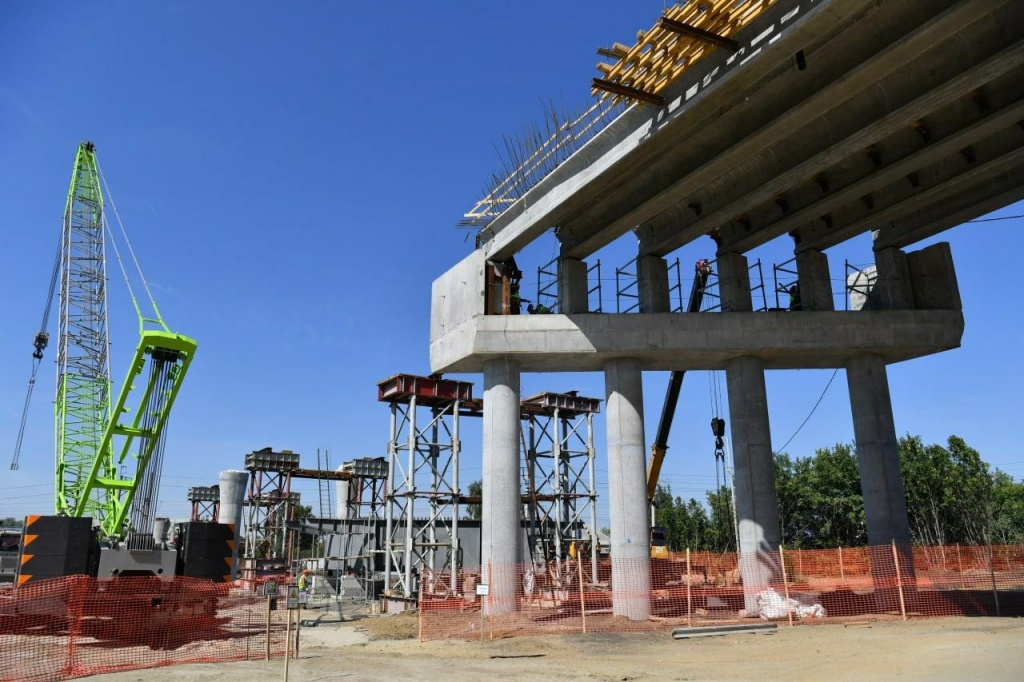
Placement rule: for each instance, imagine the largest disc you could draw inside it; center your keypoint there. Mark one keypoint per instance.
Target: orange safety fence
(700, 588)
(75, 626)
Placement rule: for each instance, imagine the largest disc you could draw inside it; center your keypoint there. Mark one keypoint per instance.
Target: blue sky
(291, 177)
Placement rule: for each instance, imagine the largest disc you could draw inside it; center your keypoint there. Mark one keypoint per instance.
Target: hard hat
(305, 570)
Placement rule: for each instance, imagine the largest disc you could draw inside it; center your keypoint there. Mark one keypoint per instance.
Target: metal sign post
(482, 591)
(269, 590)
(292, 604)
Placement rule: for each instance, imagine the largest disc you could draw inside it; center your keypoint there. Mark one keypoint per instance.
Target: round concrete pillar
(502, 500)
(627, 490)
(757, 507)
(232, 498)
(881, 482)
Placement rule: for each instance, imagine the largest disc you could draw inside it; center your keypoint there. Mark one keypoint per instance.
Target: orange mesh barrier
(794, 586)
(75, 626)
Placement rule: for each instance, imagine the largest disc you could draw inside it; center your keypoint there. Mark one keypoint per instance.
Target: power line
(820, 398)
(992, 220)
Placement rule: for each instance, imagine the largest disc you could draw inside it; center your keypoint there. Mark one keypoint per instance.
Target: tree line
(952, 497)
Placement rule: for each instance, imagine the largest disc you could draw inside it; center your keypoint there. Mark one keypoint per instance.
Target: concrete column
(894, 288)
(502, 501)
(734, 282)
(652, 279)
(232, 498)
(933, 278)
(757, 505)
(815, 283)
(573, 288)
(627, 490)
(881, 483)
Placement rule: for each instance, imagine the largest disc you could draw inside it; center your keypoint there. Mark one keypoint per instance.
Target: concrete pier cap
(463, 339)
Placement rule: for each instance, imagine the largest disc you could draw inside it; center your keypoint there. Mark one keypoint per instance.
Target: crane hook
(40, 343)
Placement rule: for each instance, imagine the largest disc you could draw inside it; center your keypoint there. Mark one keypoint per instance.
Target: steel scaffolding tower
(558, 476)
(205, 503)
(361, 505)
(270, 503)
(366, 489)
(423, 494)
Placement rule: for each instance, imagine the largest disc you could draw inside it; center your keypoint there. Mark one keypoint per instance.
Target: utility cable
(820, 398)
(992, 220)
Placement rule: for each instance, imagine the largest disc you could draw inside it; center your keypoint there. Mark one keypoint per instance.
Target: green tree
(949, 492)
(1007, 510)
(474, 511)
(688, 523)
(720, 533)
(307, 542)
(685, 522)
(834, 509)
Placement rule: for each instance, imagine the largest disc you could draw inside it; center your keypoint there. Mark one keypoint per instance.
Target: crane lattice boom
(82, 403)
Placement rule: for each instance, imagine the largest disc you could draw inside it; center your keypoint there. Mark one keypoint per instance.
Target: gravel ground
(384, 647)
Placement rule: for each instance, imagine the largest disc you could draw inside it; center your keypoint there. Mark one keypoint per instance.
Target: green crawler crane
(108, 459)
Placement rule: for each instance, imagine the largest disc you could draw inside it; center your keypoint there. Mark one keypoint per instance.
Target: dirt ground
(385, 647)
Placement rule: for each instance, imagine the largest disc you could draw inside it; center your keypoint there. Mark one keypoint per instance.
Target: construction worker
(304, 580)
(515, 300)
(794, 296)
(539, 309)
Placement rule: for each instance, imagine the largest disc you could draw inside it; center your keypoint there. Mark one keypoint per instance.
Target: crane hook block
(718, 427)
(42, 338)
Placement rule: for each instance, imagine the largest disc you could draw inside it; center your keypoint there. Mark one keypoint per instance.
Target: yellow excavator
(659, 541)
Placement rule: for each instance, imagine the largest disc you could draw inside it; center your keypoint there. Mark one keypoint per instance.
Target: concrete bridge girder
(719, 82)
(978, 198)
(850, 133)
(866, 186)
(902, 200)
(684, 176)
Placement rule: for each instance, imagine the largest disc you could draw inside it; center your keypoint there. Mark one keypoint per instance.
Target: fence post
(785, 584)
(842, 572)
(960, 567)
(688, 598)
(75, 587)
(583, 603)
(287, 642)
(899, 580)
(269, 598)
(483, 603)
(992, 573)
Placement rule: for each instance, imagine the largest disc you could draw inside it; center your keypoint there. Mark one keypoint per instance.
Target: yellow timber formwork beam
(683, 35)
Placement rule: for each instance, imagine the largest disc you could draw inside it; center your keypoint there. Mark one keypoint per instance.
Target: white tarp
(773, 606)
